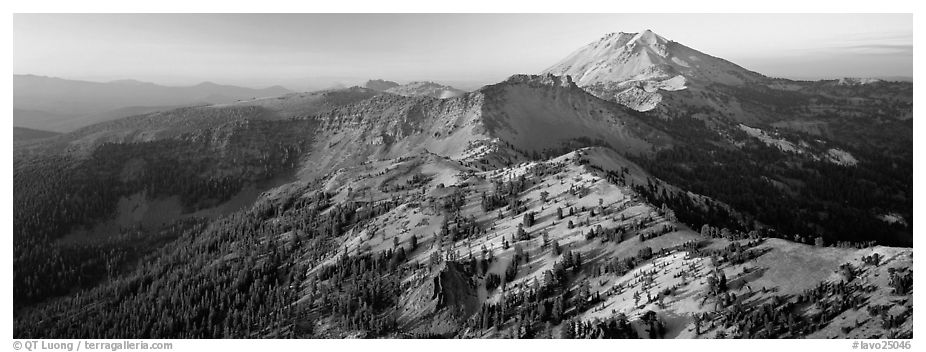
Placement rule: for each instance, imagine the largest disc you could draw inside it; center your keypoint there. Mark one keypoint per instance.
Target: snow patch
(833, 155)
(853, 81)
(841, 157)
(673, 84)
(761, 135)
(893, 218)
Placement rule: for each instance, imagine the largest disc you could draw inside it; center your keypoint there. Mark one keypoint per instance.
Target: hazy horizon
(311, 51)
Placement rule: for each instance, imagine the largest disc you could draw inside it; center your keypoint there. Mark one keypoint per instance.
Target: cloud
(878, 49)
(887, 43)
(905, 37)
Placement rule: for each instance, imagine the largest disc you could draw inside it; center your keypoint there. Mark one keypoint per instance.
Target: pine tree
(522, 235)
(568, 330)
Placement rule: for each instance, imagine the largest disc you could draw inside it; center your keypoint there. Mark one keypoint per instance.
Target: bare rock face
(440, 300)
(453, 289)
(638, 99)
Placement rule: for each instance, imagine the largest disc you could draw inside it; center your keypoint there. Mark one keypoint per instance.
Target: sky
(310, 51)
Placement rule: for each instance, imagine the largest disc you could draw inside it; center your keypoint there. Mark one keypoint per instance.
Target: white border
(474, 6)
(571, 6)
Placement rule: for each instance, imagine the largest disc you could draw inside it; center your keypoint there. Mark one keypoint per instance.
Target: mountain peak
(632, 68)
(649, 37)
(644, 56)
(624, 38)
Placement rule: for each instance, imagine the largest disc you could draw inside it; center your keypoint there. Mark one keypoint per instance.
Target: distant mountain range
(62, 105)
(28, 134)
